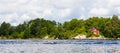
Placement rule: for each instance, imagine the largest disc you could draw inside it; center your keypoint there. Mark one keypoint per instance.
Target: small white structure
(80, 37)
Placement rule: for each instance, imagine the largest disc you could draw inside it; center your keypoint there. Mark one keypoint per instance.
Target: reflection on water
(59, 46)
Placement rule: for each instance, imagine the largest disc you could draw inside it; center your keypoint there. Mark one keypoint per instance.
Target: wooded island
(106, 27)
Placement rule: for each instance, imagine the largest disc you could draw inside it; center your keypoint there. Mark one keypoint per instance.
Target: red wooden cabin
(95, 31)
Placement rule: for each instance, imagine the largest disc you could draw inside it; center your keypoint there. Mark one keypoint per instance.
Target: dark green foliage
(21, 27)
(112, 27)
(14, 35)
(27, 33)
(5, 29)
(40, 28)
(76, 26)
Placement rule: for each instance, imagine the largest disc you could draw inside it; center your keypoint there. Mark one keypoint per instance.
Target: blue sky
(18, 11)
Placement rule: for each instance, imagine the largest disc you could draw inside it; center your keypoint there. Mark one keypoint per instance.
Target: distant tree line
(40, 28)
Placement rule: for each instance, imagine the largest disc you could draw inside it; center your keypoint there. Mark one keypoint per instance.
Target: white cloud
(64, 13)
(47, 12)
(65, 3)
(22, 1)
(118, 9)
(17, 11)
(82, 17)
(114, 2)
(25, 17)
(14, 18)
(10, 18)
(99, 11)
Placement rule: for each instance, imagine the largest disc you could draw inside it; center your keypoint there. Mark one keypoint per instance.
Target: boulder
(80, 37)
(46, 37)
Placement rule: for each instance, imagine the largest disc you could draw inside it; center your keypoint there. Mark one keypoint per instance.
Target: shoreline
(63, 39)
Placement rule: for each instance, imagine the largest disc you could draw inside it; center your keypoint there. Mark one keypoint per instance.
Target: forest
(39, 28)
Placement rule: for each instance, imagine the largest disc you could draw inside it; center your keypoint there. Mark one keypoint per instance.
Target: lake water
(59, 46)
